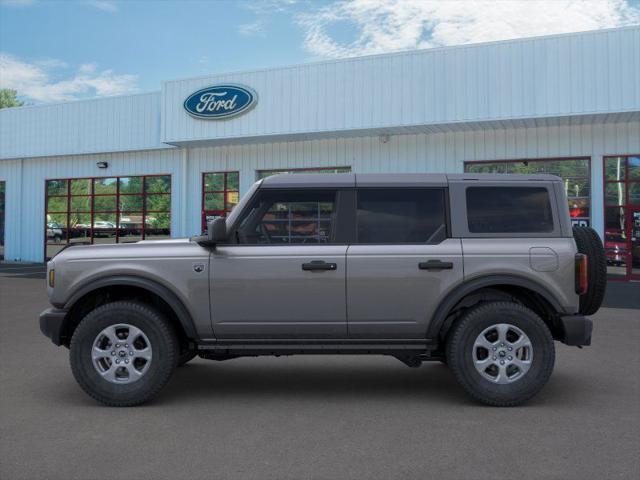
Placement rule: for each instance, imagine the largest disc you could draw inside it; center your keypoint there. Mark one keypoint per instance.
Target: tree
(8, 98)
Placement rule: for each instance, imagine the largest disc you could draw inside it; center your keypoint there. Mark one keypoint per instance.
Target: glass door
(2, 188)
(634, 221)
(622, 216)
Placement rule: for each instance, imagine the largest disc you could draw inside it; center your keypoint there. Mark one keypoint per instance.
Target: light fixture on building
(102, 164)
(384, 138)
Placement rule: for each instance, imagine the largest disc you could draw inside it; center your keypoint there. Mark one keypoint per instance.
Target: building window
(268, 173)
(622, 216)
(220, 194)
(106, 210)
(2, 210)
(575, 172)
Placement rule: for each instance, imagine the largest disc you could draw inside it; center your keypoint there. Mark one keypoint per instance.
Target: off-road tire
(163, 343)
(589, 243)
(459, 351)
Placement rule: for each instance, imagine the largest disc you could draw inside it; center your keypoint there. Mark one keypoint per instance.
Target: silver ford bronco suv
(481, 272)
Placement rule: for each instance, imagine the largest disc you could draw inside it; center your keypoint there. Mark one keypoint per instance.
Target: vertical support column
(184, 192)
(19, 242)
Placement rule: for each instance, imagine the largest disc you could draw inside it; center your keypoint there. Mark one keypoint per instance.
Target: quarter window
(575, 174)
(509, 210)
(401, 216)
(304, 217)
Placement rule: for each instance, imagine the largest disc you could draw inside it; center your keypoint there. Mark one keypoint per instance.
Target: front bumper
(52, 322)
(576, 330)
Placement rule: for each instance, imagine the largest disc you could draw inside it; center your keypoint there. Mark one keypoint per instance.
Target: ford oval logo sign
(220, 101)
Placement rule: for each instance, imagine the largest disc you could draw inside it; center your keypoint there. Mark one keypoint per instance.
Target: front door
(401, 264)
(284, 277)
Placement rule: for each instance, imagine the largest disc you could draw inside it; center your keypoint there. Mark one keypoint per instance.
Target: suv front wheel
(501, 353)
(123, 353)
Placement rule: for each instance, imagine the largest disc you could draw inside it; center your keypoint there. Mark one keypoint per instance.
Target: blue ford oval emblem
(220, 101)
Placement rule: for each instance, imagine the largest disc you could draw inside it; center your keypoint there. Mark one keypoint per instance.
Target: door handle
(319, 265)
(435, 265)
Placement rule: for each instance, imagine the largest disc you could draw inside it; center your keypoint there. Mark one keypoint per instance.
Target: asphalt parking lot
(316, 417)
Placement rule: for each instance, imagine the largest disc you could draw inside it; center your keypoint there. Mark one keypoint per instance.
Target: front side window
(292, 217)
(509, 210)
(401, 216)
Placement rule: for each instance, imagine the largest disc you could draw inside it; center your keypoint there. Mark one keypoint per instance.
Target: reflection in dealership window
(575, 173)
(289, 217)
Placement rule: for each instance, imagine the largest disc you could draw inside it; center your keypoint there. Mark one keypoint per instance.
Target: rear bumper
(52, 324)
(576, 330)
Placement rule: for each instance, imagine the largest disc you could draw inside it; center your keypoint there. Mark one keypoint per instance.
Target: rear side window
(509, 210)
(401, 216)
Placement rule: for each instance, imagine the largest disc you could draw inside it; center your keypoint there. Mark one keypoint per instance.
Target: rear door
(402, 262)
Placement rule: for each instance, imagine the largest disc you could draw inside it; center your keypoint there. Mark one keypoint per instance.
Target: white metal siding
(423, 152)
(25, 199)
(547, 77)
(89, 126)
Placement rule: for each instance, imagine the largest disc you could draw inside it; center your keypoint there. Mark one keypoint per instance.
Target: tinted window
(401, 216)
(289, 218)
(509, 210)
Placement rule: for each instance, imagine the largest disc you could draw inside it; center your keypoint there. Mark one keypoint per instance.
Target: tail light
(582, 280)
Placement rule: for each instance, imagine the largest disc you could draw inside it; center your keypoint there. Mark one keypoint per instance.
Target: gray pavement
(314, 417)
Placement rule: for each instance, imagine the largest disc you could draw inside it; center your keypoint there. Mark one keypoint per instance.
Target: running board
(314, 347)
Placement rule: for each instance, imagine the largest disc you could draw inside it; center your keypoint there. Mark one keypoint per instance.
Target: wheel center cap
(502, 353)
(122, 353)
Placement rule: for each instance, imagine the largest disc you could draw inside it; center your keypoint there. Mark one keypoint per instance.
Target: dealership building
(158, 164)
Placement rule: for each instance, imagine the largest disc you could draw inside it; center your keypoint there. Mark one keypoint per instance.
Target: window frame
(66, 239)
(226, 211)
(445, 204)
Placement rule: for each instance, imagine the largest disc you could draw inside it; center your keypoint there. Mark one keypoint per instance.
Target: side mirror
(217, 231)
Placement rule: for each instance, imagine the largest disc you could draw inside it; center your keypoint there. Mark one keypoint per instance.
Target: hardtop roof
(346, 180)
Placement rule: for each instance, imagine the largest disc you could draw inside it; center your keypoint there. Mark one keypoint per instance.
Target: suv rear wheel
(501, 353)
(123, 353)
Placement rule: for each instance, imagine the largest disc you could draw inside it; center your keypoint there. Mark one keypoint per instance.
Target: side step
(233, 347)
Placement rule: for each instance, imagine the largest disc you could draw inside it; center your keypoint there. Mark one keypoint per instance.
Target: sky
(59, 50)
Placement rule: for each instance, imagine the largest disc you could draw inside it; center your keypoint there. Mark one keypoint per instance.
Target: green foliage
(8, 98)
